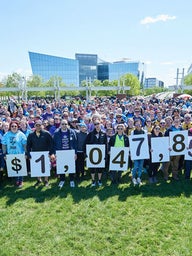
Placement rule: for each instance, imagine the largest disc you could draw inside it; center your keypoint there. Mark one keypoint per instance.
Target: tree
(13, 80)
(35, 81)
(188, 79)
(133, 82)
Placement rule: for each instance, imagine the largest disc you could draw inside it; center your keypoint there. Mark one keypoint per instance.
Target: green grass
(110, 220)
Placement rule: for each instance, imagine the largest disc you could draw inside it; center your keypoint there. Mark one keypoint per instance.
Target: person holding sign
(118, 140)
(14, 142)
(137, 164)
(65, 139)
(39, 140)
(174, 160)
(153, 167)
(97, 136)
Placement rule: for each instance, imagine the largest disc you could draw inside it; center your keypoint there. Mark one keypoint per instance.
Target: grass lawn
(108, 220)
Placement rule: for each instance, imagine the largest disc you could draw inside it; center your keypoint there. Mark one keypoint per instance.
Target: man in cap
(40, 140)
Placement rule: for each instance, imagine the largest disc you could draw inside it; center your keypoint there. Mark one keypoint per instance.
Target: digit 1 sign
(42, 160)
(40, 164)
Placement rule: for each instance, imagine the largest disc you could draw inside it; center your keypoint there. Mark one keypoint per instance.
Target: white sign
(188, 155)
(40, 164)
(95, 156)
(178, 142)
(65, 161)
(119, 158)
(160, 149)
(16, 165)
(139, 147)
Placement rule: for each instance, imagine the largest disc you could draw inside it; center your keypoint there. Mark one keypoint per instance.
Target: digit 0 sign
(95, 156)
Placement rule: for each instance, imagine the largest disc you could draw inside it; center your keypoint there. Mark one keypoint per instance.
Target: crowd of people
(51, 125)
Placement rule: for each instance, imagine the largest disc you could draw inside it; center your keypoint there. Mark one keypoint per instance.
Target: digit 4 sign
(119, 159)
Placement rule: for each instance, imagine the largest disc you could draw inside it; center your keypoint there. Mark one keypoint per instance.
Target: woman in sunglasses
(120, 139)
(14, 142)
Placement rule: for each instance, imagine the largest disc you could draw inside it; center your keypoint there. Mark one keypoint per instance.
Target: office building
(48, 66)
(153, 82)
(85, 67)
(113, 71)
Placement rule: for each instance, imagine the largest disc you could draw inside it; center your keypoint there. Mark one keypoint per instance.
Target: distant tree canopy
(17, 80)
(188, 79)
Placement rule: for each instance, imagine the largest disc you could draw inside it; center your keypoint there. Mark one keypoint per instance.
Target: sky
(157, 33)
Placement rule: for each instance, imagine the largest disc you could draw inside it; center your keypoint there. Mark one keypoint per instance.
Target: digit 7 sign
(139, 147)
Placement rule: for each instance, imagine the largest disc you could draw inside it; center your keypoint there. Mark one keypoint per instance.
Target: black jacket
(42, 143)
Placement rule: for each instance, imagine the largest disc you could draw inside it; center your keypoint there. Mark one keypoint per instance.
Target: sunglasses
(119, 128)
(96, 123)
(63, 124)
(13, 126)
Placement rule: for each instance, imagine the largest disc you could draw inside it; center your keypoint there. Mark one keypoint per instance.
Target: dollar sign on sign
(16, 166)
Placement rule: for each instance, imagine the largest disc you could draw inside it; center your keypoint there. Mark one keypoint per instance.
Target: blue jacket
(57, 140)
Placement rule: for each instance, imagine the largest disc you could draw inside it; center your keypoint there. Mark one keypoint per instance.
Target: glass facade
(87, 66)
(152, 81)
(83, 67)
(113, 71)
(103, 72)
(48, 66)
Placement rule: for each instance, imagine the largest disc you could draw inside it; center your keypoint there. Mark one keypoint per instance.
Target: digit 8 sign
(178, 140)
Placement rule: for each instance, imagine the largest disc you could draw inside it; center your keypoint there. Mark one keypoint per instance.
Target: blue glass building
(113, 71)
(87, 66)
(48, 66)
(83, 67)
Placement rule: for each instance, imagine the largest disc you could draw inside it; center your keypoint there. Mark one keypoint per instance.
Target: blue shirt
(15, 142)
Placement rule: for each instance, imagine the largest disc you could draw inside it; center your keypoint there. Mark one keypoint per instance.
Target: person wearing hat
(119, 120)
(119, 139)
(40, 140)
(73, 124)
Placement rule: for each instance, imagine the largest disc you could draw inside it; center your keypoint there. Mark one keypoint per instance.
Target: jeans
(137, 169)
